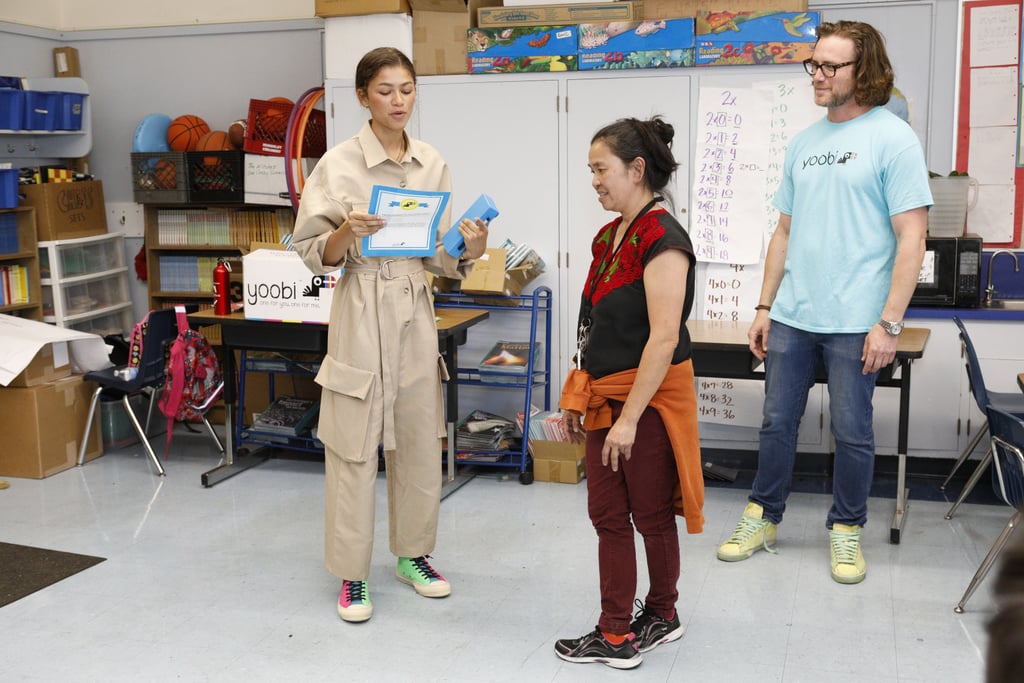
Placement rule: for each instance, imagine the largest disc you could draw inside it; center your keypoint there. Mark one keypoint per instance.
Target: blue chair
(161, 329)
(1012, 403)
(1007, 444)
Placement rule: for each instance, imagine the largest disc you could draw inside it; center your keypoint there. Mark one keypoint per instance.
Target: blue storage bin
(12, 108)
(40, 110)
(69, 110)
(8, 188)
(8, 233)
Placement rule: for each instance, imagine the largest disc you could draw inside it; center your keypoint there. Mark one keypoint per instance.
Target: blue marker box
(636, 44)
(760, 37)
(484, 209)
(521, 49)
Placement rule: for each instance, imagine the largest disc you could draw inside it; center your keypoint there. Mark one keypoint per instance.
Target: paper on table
(411, 218)
(21, 339)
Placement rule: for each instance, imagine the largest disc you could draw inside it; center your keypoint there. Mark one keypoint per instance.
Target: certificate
(410, 217)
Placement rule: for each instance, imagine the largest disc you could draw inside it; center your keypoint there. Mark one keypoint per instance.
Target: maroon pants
(640, 494)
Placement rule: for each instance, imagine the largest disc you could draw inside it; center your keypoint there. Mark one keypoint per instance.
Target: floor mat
(25, 569)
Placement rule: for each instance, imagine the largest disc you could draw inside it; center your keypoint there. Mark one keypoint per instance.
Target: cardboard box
(439, 34)
(50, 363)
(354, 8)
(65, 62)
(521, 49)
(552, 15)
(67, 210)
(279, 287)
(755, 37)
(558, 461)
(489, 276)
(265, 181)
(43, 425)
(636, 45)
(675, 9)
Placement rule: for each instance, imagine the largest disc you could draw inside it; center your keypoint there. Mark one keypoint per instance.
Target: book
(288, 415)
(507, 361)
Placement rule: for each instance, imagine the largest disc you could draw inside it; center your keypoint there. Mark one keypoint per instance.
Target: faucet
(989, 289)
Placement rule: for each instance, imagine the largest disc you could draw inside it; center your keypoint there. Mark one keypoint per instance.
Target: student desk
(238, 333)
(720, 349)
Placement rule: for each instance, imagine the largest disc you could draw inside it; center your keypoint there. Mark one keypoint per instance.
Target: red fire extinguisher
(222, 288)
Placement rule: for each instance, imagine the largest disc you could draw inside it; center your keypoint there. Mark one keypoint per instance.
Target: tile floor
(228, 584)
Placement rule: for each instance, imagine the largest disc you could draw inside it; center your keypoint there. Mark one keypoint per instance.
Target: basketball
(215, 140)
(165, 175)
(184, 132)
(274, 121)
(236, 134)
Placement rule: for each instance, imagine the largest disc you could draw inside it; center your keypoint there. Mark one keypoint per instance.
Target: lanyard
(609, 256)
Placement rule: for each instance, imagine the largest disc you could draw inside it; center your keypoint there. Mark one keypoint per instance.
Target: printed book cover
(508, 360)
(288, 415)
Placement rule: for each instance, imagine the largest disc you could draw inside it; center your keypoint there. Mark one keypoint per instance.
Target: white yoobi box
(278, 286)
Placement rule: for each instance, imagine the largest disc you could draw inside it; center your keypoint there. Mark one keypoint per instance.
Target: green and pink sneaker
(354, 601)
(418, 573)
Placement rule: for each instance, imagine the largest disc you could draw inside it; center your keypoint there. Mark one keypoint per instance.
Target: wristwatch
(892, 328)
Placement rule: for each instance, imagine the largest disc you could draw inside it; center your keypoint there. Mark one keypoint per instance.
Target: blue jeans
(793, 358)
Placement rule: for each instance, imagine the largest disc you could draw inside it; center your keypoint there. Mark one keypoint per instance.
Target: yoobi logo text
(284, 291)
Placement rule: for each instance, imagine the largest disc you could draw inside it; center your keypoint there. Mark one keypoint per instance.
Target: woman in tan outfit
(381, 377)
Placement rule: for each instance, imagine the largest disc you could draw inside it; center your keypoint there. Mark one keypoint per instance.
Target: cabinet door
(591, 104)
(500, 138)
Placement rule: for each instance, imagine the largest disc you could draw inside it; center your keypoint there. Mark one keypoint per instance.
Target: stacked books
(545, 425)
(288, 416)
(484, 431)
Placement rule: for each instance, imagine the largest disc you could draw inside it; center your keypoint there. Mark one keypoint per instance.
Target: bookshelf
(20, 264)
(183, 243)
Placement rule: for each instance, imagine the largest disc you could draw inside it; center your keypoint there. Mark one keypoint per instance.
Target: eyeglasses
(827, 70)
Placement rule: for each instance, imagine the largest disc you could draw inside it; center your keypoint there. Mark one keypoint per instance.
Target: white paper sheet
(21, 339)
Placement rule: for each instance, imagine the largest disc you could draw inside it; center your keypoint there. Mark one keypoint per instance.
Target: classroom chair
(1012, 403)
(1007, 447)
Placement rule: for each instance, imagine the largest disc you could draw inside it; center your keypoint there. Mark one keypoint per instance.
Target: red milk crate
(268, 124)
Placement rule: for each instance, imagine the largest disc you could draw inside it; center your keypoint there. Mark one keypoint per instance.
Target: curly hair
(874, 74)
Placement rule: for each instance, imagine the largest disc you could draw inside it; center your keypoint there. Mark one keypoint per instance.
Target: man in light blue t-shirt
(838, 276)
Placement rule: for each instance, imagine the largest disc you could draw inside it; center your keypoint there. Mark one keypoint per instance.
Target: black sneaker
(594, 647)
(651, 630)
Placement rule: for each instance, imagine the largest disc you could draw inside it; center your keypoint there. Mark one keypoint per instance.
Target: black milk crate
(215, 177)
(159, 178)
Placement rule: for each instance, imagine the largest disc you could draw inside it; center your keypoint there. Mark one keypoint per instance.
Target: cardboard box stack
(42, 417)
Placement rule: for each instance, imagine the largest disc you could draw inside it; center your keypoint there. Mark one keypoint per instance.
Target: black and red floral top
(614, 301)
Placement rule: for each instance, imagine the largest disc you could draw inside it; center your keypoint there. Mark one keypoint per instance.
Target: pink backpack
(192, 377)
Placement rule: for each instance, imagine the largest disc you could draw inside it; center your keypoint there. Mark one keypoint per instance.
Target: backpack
(192, 376)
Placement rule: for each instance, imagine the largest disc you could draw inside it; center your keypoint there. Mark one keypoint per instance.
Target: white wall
(81, 15)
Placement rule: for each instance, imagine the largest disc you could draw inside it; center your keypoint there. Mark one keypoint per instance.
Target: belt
(388, 269)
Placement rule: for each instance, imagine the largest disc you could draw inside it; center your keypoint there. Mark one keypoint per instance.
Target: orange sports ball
(165, 175)
(236, 133)
(274, 121)
(185, 131)
(215, 140)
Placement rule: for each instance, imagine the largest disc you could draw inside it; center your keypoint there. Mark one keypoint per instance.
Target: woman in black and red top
(633, 381)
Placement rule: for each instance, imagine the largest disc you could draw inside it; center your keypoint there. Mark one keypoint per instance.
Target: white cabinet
(85, 284)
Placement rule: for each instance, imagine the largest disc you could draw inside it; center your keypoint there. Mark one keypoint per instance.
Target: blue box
(636, 44)
(8, 188)
(12, 108)
(726, 38)
(520, 49)
(40, 110)
(69, 110)
(8, 232)
(484, 209)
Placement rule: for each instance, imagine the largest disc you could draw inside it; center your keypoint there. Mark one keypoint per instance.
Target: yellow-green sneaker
(848, 564)
(752, 534)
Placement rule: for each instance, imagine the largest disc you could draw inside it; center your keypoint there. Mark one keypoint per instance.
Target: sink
(1006, 304)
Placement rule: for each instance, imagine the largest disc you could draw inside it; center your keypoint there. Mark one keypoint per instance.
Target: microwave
(950, 273)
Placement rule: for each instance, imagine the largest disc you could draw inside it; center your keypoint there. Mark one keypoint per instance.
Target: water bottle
(222, 288)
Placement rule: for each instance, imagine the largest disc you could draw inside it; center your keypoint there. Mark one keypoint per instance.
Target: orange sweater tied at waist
(676, 403)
